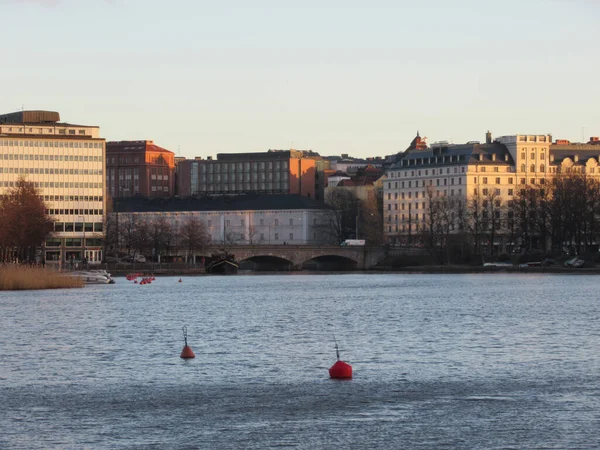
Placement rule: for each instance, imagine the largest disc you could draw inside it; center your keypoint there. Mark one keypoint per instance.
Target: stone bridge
(299, 256)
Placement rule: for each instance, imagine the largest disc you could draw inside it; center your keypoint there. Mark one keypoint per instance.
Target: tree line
(133, 234)
(562, 215)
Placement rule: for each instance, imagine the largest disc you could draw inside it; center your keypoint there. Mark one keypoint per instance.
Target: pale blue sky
(334, 76)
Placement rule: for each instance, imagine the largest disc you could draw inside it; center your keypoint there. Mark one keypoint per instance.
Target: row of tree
(562, 215)
(158, 236)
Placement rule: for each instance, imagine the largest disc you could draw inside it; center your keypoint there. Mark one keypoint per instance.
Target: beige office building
(67, 163)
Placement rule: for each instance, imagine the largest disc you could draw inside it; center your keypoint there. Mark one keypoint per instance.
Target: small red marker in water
(187, 352)
(340, 370)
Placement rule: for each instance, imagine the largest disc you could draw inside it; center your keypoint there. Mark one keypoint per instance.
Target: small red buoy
(340, 370)
(187, 352)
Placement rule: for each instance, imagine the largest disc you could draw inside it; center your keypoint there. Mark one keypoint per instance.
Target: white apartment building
(66, 163)
(495, 167)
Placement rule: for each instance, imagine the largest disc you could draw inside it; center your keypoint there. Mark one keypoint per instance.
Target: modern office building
(271, 172)
(66, 163)
(139, 168)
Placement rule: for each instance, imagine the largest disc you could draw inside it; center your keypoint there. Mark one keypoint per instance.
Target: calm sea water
(440, 361)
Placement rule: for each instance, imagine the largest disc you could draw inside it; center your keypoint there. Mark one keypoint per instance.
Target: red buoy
(340, 370)
(187, 352)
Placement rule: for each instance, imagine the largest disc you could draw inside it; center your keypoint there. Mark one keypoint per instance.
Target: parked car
(497, 264)
(135, 259)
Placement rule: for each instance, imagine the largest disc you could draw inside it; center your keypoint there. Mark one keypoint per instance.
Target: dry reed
(15, 278)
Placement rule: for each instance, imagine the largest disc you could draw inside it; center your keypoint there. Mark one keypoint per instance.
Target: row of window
(240, 167)
(69, 242)
(241, 186)
(72, 198)
(49, 171)
(532, 155)
(250, 176)
(71, 212)
(78, 227)
(52, 157)
(58, 185)
(50, 144)
(423, 183)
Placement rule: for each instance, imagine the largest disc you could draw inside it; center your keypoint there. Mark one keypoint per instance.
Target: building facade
(139, 168)
(494, 171)
(271, 172)
(236, 220)
(66, 162)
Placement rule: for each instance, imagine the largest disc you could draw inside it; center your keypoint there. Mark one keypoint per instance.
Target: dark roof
(30, 117)
(149, 146)
(582, 155)
(249, 202)
(461, 154)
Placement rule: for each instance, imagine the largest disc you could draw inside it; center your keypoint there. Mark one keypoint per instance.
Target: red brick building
(139, 168)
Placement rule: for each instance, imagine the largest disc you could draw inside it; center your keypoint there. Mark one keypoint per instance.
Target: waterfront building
(251, 219)
(493, 171)
(271, 172)
(66, 163)
(139, 168)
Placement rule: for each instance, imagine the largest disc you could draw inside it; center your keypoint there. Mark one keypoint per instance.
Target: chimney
(488, 137)
(209, 158)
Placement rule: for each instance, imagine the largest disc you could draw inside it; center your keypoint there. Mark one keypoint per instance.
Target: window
(291, 236)
(510, 192)
(522, 181)
(276, 236)
(485, 192)
(522, 167)
(483, 169)
(532, 168)
(543, 168)
(484, 180)
(510, 181)
(292, 222)
(276, 222)
(497, 180)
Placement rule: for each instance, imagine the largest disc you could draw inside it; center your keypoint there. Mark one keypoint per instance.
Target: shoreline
(453, 269)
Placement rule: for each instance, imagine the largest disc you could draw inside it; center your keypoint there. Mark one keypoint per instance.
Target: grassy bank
(16, 278)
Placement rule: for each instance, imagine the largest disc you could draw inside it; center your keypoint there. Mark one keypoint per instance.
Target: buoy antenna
(337, 349)
(185, 334)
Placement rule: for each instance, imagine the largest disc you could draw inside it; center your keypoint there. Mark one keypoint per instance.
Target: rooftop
(248, 202)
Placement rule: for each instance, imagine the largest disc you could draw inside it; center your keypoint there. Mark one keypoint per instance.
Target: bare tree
(194, 236)
(340, 221)
(142, 238)
(161, 234)
(24, 225)
(127, 229)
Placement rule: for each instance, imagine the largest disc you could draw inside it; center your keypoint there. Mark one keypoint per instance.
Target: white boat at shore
(94, 277)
